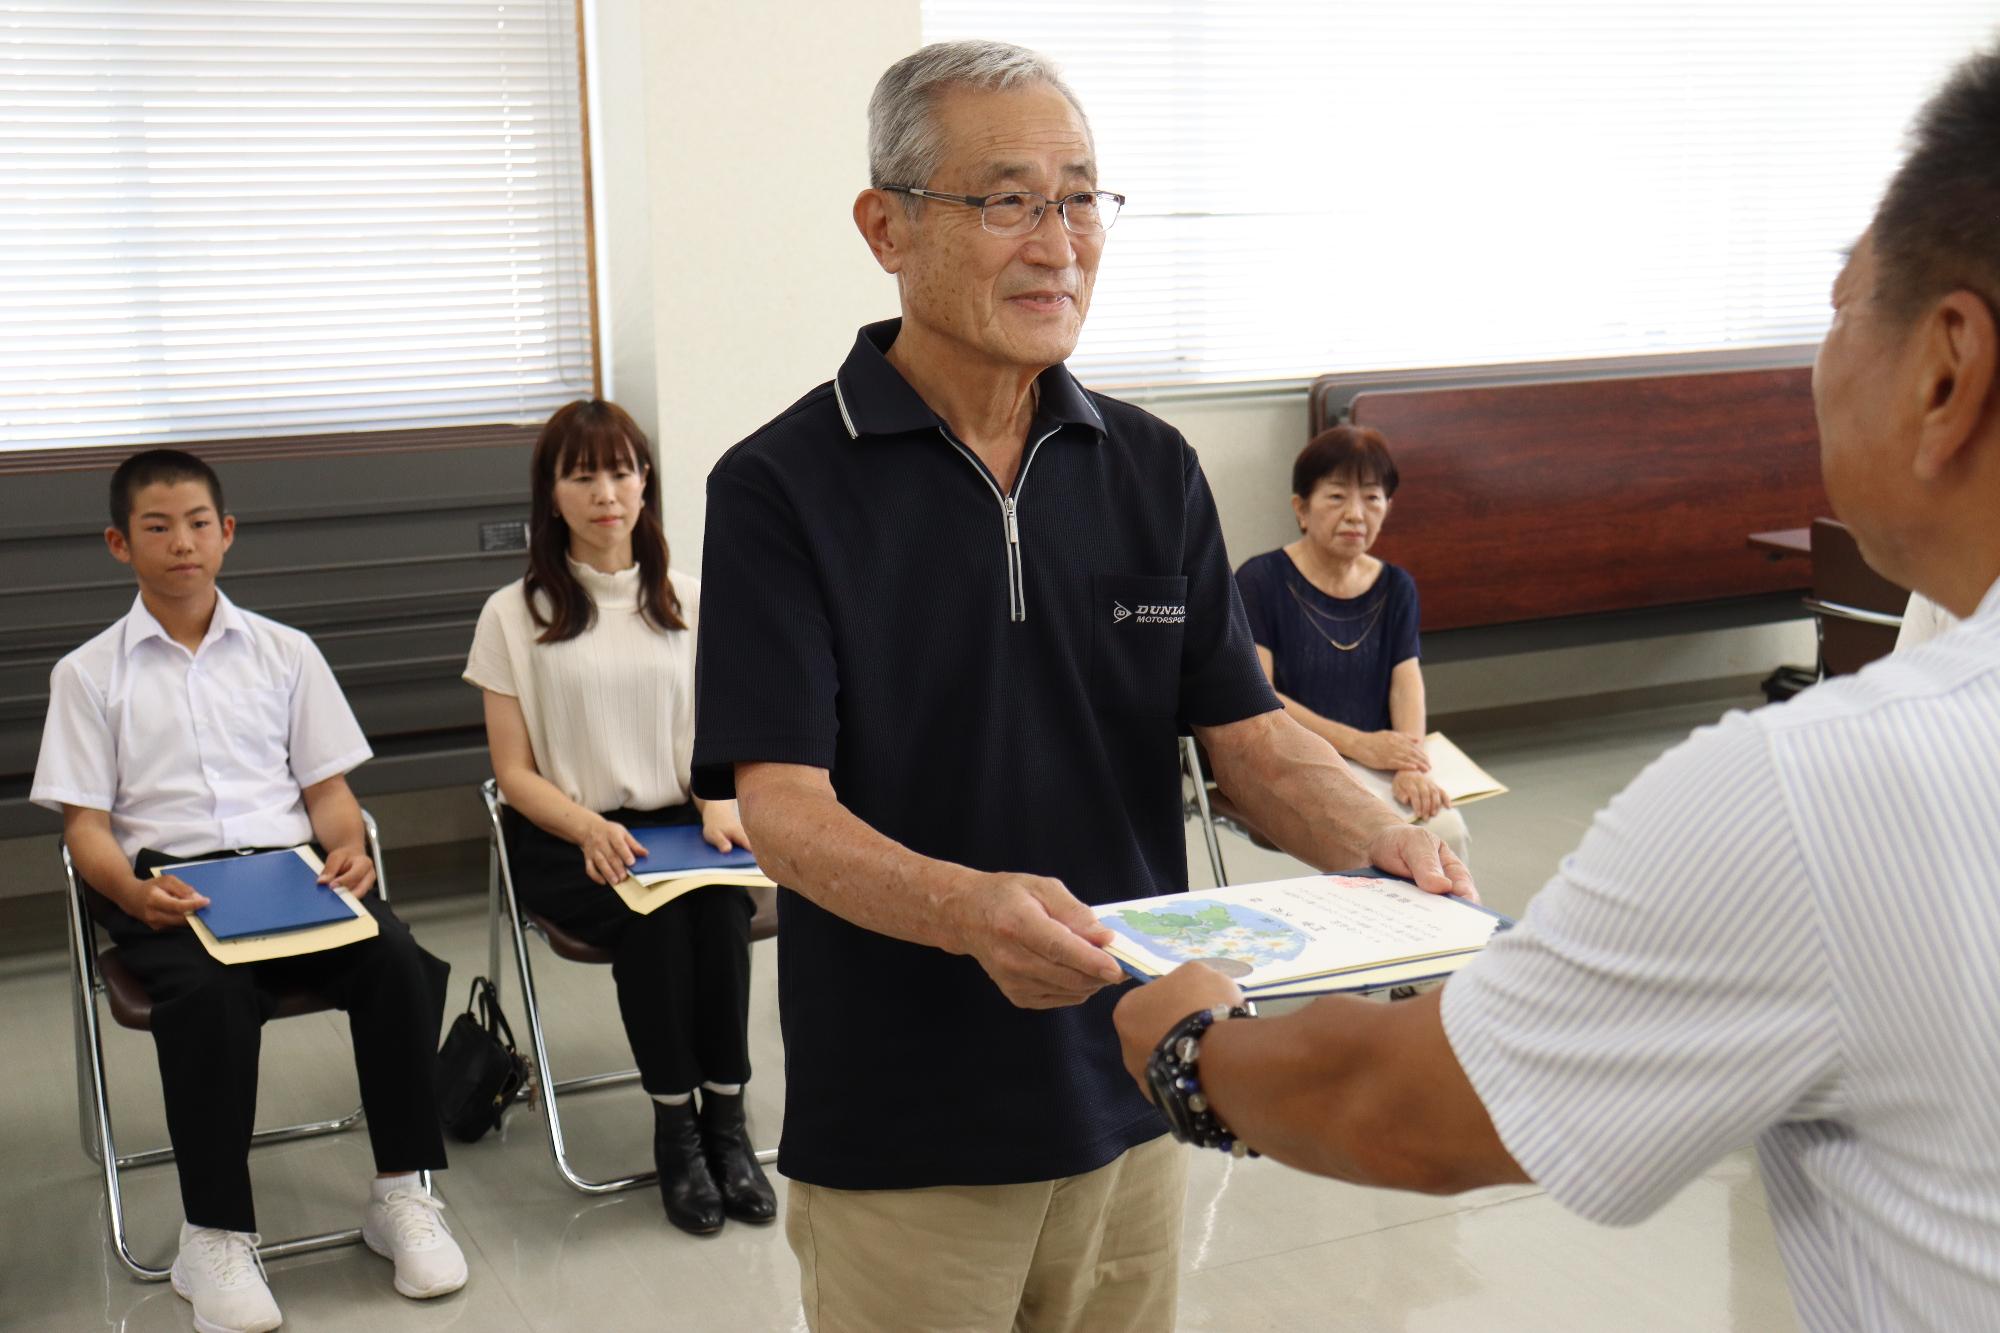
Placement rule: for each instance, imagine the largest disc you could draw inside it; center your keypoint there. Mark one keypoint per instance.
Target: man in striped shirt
(1787, 929)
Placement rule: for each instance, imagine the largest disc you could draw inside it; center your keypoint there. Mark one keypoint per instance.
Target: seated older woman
(1336, 628)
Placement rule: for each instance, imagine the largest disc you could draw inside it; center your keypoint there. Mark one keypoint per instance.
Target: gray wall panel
(376, 555)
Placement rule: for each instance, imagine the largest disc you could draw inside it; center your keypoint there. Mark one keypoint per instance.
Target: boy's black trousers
(207, 1028)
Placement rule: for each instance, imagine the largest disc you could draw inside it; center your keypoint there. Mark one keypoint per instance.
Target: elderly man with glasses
(959, 609)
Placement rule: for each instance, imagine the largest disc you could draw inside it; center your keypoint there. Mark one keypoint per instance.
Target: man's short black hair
(1938, 229)
(151, 467)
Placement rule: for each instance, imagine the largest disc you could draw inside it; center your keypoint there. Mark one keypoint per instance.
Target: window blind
(1343, 185)
(232, 218)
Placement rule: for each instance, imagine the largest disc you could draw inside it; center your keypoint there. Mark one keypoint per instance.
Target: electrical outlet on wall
(504, 535)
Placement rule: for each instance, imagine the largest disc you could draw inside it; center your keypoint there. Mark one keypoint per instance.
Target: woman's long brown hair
(599, 436)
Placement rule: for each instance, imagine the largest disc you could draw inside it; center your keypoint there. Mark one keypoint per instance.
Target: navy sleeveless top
(1295, 620)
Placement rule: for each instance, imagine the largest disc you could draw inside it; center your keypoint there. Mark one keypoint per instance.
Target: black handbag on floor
(479, 1073)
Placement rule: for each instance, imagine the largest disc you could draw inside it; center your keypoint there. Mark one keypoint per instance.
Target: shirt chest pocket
(1137, 622)
(259, 725)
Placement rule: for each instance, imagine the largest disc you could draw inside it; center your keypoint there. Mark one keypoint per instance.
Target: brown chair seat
(132, 1008)
(564, 944)
(763, 925)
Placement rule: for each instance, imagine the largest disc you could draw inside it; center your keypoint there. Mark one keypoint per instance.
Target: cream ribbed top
(611, 712)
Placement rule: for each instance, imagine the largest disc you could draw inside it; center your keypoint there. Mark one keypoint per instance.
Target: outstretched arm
(1360, 1091)
(1041, 946)
(1299, 794)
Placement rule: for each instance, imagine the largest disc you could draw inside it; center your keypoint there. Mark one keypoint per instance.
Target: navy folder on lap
(675, 847)
(265, 893)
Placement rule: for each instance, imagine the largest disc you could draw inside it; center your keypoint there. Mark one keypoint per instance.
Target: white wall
(755, 121)
(731, 139)
(620, 139)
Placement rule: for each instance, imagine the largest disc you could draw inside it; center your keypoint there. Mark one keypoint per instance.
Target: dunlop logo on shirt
(1149, 613)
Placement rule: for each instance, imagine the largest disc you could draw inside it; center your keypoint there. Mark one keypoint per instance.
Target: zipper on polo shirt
(1010, 527)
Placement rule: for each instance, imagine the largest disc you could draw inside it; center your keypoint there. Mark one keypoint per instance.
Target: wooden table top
(1783, 542)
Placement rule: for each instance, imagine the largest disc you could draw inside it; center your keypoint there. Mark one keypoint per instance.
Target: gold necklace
(1313, 619)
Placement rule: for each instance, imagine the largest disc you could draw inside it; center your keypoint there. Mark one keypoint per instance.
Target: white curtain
(1340, 185)
(229, 218)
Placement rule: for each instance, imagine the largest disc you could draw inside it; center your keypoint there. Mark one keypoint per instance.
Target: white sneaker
(407, 1230)
(219, 1273)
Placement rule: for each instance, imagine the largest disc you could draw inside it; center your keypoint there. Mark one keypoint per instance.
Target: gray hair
(904, 143)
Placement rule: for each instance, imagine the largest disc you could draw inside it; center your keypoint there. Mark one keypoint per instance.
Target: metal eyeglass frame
(984, 201)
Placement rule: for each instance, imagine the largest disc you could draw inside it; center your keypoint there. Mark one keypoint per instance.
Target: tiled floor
(1266, 1249)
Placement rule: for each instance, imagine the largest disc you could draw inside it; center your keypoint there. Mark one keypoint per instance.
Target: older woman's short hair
(1352, 453)
(904, 144)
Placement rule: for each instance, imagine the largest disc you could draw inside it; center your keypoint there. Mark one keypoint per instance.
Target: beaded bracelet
(1173, 1074)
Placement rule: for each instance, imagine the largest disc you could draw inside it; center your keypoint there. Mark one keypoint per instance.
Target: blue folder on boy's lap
(676, 847)
(265, 893)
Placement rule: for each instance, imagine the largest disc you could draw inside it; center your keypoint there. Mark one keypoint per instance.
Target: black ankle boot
(693, 1203)
(746, 1191)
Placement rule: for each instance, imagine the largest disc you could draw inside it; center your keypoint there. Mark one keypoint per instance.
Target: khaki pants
(1095, 1253)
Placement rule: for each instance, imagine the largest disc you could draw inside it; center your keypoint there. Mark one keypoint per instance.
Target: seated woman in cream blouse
(588, 670)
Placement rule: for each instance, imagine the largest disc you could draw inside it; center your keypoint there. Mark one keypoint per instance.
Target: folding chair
(543, 1083)
(1856, 612)
(95, 973)
(1197, 805)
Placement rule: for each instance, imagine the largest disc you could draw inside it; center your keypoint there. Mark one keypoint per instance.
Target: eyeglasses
(1018, 212)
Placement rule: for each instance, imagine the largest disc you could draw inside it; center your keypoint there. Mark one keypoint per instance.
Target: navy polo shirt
(993, 679)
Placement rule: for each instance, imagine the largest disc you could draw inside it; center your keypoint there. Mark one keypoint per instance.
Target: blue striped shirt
(1786, 931)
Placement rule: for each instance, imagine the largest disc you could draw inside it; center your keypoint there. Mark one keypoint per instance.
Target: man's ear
(119, 545)
(1958, 348)
(885, 225)
(228, 532)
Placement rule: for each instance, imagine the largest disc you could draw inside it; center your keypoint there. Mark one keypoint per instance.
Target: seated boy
(190, 729)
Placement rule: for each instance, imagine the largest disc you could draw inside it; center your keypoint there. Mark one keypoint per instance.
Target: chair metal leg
(1191, 757)
(612, 1078)
(543, 1082)
(546, 1082)
(310, 1129)
(325, 1240)
(94, 1101)
(493, 914)
(90, 1043)
(83, 996)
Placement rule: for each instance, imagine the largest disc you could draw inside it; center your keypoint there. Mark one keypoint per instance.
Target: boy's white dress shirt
(195, 752)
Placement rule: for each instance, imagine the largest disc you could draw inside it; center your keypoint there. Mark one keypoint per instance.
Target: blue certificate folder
(264, 893)
(672, 848)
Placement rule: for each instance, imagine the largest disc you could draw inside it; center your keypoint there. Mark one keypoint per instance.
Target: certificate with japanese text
(1310, 936)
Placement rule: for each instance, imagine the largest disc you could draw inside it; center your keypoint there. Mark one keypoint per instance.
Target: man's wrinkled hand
(1042, 947)
(1146, 1013)
(1420, 855)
